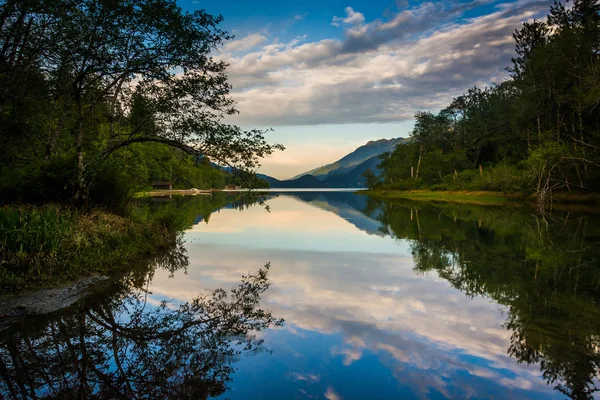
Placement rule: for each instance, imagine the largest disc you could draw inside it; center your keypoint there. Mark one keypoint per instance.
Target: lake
(379, 299)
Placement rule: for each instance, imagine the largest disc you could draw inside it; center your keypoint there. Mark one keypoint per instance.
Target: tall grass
(30, 229)
(52, 244)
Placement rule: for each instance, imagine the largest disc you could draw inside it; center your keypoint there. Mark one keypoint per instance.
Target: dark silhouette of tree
(121, 346)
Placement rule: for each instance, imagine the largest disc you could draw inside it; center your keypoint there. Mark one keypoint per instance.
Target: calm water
(379, 299)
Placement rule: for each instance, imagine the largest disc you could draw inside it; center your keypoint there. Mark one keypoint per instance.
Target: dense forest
(538, 131)
(100, 98)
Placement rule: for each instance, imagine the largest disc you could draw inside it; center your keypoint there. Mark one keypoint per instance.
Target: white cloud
(300, 17)
(245, 43)
(382, 71)
(352, 18)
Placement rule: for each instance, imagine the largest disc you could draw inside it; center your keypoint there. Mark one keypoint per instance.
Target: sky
(330, 75)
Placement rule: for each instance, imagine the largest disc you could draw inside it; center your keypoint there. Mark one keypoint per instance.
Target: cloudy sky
(329, 75)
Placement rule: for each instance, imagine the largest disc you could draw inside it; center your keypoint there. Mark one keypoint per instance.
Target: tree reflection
(125, 346)
(544, 269)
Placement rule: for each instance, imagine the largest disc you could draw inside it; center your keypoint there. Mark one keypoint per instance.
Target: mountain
(354, 177)
(306, 181)
(347, 172)
(358, 156)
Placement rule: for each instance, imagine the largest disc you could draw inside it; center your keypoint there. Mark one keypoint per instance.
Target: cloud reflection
(431, 337)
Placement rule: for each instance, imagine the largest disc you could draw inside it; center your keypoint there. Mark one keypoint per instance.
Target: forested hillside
(538, 131)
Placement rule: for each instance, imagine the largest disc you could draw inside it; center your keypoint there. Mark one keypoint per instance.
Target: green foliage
(100, 98)
(537, 131)
(37, 230)
(53, 244)
(371, 179)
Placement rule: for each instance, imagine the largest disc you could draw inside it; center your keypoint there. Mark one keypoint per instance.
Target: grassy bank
(50, 245)
(458, 196)
(484, 197)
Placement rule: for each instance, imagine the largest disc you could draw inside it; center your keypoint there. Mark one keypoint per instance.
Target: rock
(46, 301)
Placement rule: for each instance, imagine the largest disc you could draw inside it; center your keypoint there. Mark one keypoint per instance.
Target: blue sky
(328, 76)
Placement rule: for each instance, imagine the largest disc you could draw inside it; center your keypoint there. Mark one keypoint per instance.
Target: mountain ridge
(354, 158)
(347, 172)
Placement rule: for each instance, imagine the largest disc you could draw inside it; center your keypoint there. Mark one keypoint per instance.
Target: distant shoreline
(186, 192)
(590, 201)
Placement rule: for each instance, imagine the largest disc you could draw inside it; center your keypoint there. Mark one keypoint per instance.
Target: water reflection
(544, 269)
(382, 299)
(375, 282)
(122, 343)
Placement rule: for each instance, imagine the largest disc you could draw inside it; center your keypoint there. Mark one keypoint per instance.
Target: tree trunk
(558, 125)
(581, 138)
(81, 191)
(419, 162)
(53, 137)
(539, 125)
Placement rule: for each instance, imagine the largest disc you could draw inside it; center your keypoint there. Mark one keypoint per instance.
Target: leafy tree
(86, 80)
(371, 179)
(543, 120)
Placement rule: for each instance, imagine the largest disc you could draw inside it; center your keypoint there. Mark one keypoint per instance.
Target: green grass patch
(458, 196)
(589, 202)
(49, 245)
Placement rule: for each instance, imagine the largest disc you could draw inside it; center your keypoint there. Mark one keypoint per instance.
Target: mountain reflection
(122, 344)
(541, 269)
(403, 299)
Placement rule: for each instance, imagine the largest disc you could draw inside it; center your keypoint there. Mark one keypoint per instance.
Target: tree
(116, 73)
(371, 179)
(543, 121)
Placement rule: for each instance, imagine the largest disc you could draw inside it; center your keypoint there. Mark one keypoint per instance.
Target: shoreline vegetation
(43, 246)
(589, 201)
(180, 192)
(50, 245)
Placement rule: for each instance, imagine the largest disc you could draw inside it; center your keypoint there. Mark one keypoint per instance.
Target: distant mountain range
(346, 172)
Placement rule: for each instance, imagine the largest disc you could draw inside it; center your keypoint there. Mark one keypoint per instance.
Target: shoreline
(47, 246)
(589, 201)
(182, 192)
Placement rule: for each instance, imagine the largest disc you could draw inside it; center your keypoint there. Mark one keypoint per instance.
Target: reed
(31, 229)
(47, 245)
